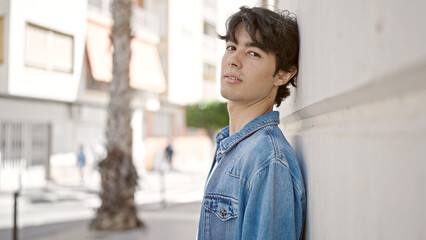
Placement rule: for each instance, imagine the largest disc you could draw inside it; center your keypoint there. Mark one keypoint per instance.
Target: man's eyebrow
(250, 44)
(232, 41)
(255, 44)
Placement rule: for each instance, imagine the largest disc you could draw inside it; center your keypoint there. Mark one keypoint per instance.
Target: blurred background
(356, 120)
(55, 72)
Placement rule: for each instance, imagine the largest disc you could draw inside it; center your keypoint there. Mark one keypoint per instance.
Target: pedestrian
(169, 153)
(81, 162)
(255, 188)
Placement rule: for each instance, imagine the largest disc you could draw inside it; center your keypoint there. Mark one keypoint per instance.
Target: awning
(145, 67)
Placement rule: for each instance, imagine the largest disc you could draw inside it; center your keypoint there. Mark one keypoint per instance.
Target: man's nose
(235, 59)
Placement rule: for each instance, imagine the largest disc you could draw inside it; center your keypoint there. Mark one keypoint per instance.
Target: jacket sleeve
(270, 212)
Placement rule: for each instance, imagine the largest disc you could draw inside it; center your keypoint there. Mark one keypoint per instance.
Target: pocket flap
(223, 207)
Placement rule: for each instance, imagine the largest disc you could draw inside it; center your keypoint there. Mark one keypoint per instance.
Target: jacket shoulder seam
(264, 167)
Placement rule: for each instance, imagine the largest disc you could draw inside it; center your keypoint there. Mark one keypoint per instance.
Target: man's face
(247, 71)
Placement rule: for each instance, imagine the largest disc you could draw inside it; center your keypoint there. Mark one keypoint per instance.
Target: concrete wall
(357, 120)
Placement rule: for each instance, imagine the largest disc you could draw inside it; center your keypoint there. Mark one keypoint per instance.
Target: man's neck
(240, 114)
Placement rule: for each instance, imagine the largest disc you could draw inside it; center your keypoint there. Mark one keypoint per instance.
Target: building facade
(40, 73)
(55, 69)
(56, 65)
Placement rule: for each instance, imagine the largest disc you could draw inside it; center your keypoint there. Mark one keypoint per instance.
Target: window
(48, 50)
(1, 40)
(209, 72)
(209, 29)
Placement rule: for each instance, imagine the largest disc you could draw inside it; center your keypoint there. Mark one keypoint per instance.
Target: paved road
(177, 221)
(64, 212)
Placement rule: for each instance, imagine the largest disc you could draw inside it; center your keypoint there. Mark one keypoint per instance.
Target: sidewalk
(64, 212)
(172, 222)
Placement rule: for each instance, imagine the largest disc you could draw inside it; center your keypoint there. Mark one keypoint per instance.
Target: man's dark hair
(272, 32)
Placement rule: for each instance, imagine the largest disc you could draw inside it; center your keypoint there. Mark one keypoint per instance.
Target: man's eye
(230, 48)
(254, 54)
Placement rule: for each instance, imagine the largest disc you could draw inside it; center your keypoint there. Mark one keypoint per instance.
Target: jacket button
(223, 213)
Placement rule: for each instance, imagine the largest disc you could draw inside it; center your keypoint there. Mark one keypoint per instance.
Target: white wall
(357, 120)
(185, 29)
(68, 17)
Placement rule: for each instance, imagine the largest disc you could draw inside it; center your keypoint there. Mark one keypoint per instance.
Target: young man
(255, 189)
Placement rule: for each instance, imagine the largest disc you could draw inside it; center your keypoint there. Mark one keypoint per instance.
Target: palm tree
(118, 174)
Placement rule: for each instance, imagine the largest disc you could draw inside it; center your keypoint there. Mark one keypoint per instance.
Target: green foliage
(211, 116)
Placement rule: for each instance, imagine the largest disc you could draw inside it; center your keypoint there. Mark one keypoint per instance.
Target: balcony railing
(101, 7)
(210, 4)
(141, 20)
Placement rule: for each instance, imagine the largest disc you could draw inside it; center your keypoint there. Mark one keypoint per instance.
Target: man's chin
(225, 94)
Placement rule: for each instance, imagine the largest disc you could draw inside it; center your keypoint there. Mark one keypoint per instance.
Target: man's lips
(232, 78)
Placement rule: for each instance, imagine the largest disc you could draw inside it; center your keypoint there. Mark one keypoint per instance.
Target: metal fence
(23, 148)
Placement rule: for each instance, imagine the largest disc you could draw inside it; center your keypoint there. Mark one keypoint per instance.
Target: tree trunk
(118, 174)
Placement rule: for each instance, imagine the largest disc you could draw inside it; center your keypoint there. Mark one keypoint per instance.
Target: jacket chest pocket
(221, 217)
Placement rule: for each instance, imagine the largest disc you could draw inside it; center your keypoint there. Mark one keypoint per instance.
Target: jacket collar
(226, 142)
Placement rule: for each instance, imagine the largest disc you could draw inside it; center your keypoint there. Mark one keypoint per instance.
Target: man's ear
(284, 77)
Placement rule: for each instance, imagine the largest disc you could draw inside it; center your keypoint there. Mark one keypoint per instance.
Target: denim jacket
(256, 190)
